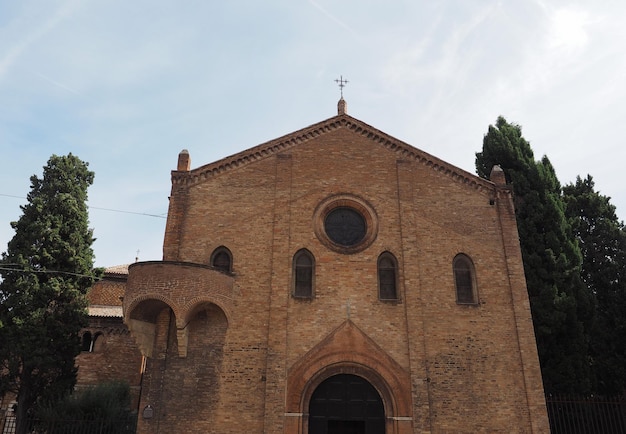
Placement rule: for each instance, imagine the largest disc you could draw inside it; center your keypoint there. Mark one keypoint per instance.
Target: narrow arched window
(387, 277)
(222, 259)
(303, 274)
(465, 280)
(85, 344)
(98, 343)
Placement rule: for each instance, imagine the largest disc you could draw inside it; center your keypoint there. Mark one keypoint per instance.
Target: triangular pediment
(347, 349)
(348, 343)
(293, 140)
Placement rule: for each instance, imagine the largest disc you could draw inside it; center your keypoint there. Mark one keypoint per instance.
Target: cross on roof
(341, 83)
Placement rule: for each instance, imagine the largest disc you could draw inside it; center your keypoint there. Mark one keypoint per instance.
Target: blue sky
(126, 85)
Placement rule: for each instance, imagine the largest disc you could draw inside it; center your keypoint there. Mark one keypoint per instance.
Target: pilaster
(538, 416)
(276, 369)
(411, 294)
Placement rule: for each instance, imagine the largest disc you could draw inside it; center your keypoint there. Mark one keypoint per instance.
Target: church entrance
(346, 404)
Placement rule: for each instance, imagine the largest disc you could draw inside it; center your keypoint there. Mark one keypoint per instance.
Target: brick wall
(114, 355)
(469, 368)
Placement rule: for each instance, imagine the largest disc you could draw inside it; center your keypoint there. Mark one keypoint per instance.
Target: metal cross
(342, 83)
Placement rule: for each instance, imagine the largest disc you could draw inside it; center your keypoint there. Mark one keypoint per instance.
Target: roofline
(288, 141)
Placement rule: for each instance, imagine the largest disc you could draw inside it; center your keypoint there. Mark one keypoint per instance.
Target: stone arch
(349, 400)
(153, 285)
(188, 368)
(190, 308)
(197, 307)
(372, 377)
(142, 317)
(206, 332)
(133, 312)
(347, 350)
(99, 342)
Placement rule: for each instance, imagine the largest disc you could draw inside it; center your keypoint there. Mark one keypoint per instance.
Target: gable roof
(117, 270)
(291, 140)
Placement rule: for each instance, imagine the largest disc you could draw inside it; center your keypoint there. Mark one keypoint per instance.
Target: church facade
(335, 280)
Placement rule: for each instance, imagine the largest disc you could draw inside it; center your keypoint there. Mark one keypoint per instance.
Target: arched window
(85, 344)
(464, 280)
(303, 274)
(98, 343)
(387, 277)
(222, 259)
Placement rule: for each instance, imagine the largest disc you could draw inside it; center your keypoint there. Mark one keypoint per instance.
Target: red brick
(237, 354)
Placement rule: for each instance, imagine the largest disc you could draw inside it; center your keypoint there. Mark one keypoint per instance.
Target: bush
(104, 408)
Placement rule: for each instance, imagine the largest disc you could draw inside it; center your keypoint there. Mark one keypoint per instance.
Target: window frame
(294, 271)
(357, 205)
(384, 256)
(469, 268)
(218, 251)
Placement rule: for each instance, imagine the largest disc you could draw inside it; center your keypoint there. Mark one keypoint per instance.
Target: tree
(602, 240)
(46, 271)
(561, 307)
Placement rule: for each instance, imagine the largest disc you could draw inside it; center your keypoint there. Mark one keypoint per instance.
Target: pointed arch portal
(348, 356)
(346, 404)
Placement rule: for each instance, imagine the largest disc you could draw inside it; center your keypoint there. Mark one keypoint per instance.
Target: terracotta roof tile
(107, 311)
(118, 269)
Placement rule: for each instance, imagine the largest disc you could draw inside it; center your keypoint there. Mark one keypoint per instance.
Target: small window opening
(221, 259)
(387, 277)
(304, 266)
(464, 280)
(85, 344)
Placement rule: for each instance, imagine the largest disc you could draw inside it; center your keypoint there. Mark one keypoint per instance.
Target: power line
(24, 270)
(127, 212)
(102, 209)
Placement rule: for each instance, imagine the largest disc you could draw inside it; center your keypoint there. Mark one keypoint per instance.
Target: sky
(126, 85)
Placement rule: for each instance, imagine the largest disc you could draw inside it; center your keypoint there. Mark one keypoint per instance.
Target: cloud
(31, 34)
(155, 77)
(569, 29)
(439, 53)
(333, 18)
(56, 83)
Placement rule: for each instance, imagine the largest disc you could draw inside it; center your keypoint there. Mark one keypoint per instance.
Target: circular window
(345, 223)
(345, 226)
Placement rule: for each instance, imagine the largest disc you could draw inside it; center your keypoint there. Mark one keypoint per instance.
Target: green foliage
(103, 408)
(602, 240)
(46, 272)
(561, 306)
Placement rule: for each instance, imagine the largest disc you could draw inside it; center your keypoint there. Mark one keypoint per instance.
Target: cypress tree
(46, 272)
(602, 240)
(559, 302)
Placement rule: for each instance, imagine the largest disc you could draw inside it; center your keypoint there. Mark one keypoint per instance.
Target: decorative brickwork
(236, 352)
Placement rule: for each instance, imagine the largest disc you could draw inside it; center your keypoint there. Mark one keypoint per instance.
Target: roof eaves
(285, 142)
